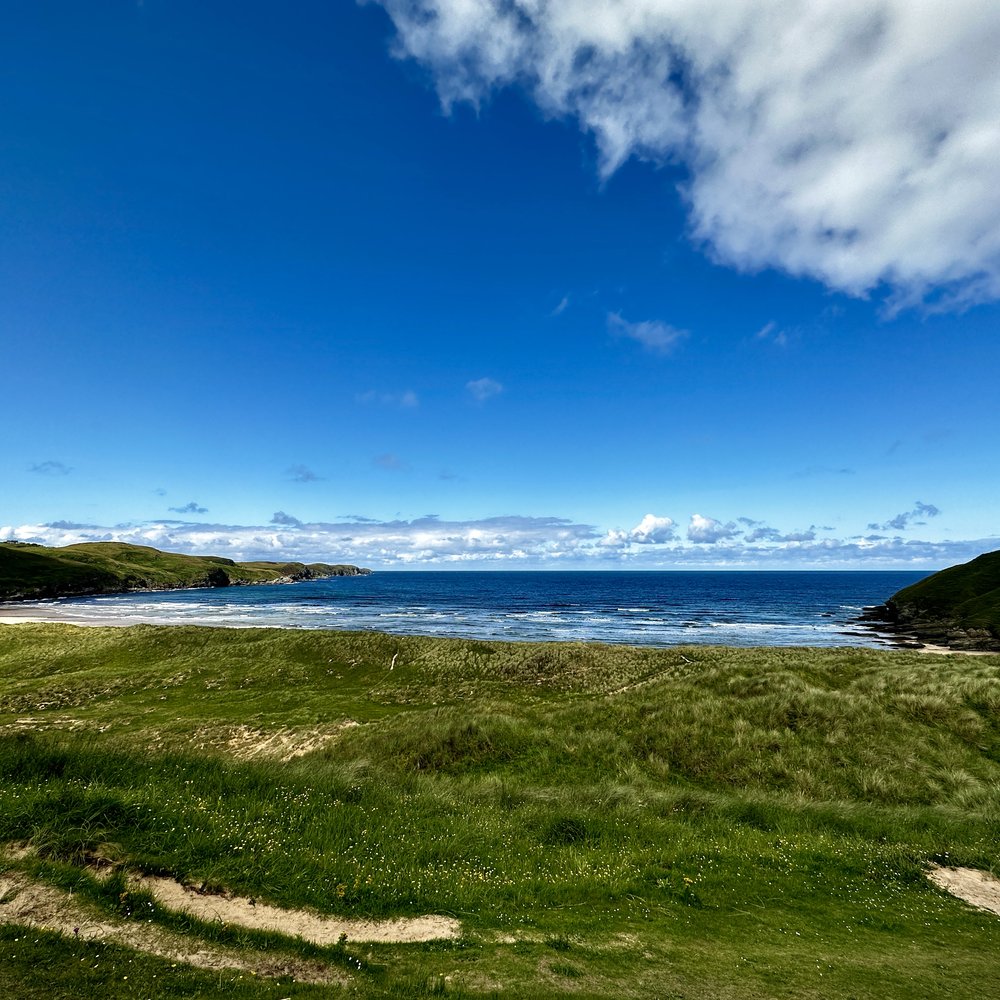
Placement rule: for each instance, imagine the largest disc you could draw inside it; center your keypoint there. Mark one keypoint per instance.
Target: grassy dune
(688, 822)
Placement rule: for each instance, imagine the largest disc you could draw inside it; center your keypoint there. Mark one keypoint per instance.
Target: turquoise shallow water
(655, 609)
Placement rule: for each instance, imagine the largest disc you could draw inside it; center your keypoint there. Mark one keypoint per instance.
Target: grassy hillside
(36, 571)
(605, 821)
(959, 605)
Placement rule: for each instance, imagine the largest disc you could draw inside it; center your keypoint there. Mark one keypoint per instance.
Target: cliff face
(958, 607)
(30, 572)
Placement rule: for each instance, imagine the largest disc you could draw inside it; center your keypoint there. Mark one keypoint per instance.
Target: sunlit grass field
(605, 821)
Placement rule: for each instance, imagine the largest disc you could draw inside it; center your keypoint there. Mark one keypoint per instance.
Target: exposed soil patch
(27, 903)
(296, 923)
(979, 889)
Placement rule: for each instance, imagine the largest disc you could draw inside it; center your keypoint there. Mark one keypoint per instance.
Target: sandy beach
(13, 615)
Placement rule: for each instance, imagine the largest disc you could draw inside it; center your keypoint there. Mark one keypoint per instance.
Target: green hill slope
(35, 571)
(959, 607)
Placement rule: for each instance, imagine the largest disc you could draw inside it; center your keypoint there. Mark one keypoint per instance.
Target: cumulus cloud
(189, 508)
(653, 530)
(902, 521)
(482, 389)
(280, 517)
(708, 531)
(654, 335)
(851, 141)
(50, 468)
(302, 474)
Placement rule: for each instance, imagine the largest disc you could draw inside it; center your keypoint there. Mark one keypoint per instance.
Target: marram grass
(605, 821)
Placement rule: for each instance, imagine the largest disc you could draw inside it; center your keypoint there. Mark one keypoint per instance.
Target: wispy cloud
(189, 508)
(407, 399)
(902, 521)
(653, 334)
(812, 471)
(772, 334)
(482, 389)
(561, 307)
(302, 474)
(766, 534)
(852, 143)
(50, 468)
(389, 461)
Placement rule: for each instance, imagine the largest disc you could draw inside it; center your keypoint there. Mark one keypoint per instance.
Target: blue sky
(460, 284)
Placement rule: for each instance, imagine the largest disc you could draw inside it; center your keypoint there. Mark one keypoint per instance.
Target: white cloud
(653, 530)
(653, 334)
(852, 141)
(512, 542)
(483, 389)
(707, 531)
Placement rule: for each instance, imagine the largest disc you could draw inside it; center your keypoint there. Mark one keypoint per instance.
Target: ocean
(642, 608)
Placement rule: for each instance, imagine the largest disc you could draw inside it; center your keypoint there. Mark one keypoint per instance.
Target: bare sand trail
(312, 927)
(30, 904)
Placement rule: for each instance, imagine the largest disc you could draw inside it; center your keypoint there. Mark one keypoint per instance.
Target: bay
(754, 608)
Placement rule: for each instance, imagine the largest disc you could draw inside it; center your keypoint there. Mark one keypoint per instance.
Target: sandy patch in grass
(29, 904)
(312, 927)
(929, 647)
(247, 743)
(979, 889)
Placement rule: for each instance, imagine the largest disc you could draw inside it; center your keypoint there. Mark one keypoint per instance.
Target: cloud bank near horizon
(849, 141)
(516, 542)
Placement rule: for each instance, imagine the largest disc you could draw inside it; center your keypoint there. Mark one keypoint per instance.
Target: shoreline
(11, 615)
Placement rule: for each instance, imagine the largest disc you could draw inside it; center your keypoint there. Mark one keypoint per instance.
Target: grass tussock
(604, 821)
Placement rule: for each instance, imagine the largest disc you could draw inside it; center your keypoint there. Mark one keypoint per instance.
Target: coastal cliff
(32, 572)
(958, 607)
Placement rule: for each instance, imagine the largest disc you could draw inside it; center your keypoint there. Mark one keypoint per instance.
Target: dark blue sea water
(644, 608)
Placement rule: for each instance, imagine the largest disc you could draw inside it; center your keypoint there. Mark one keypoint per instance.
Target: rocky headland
(33, 572)
(958, 607)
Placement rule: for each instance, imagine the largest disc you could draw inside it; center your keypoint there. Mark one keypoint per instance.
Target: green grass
(960, 597)
(35, 571)
(696, 822)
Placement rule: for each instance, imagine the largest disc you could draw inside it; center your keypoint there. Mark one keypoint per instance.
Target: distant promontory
(958, 607)
(32, 572)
